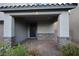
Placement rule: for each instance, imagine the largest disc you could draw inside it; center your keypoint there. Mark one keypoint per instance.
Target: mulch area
(45, 47)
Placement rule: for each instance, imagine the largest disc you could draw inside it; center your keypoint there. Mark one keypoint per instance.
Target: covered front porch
(49, 29)
(19, 27)
(40, 27)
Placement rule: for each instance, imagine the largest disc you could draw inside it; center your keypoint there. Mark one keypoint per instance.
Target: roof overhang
(37, 7)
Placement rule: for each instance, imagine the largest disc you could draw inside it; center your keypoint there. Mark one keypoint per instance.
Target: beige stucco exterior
(18, 30)
(45, 27)
(74, 24)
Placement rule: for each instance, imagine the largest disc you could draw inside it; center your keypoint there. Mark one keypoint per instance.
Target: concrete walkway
(45, 47)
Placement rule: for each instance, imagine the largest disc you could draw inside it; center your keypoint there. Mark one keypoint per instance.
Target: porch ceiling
(37, 18)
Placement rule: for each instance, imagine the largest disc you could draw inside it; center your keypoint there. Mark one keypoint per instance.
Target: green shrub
(70, 50)
(1, 43)
(18, 50)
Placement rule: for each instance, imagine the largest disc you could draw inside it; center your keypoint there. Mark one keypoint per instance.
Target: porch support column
(8, 29)
(63, 30)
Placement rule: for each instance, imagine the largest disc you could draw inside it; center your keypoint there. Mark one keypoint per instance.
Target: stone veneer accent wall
(63, 41)
(9, 41)
(45, 36)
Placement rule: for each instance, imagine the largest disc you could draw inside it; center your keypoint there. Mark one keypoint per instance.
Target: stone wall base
(45, 36)
(63, 41)
(9, 41)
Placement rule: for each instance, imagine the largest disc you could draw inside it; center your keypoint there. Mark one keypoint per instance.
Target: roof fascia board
(35, 13)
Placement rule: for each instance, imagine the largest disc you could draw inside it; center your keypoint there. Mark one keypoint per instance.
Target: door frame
(29, 30)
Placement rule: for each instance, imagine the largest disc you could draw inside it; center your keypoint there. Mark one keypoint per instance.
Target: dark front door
(33, 29)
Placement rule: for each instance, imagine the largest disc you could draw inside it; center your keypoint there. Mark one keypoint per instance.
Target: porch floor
(45, 47)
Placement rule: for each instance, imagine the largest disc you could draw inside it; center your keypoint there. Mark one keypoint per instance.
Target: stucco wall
(55, 26)
(45, 27)
(21, 31)
(1, 33)
(63, 24)
(46, 30)
(74, 24)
